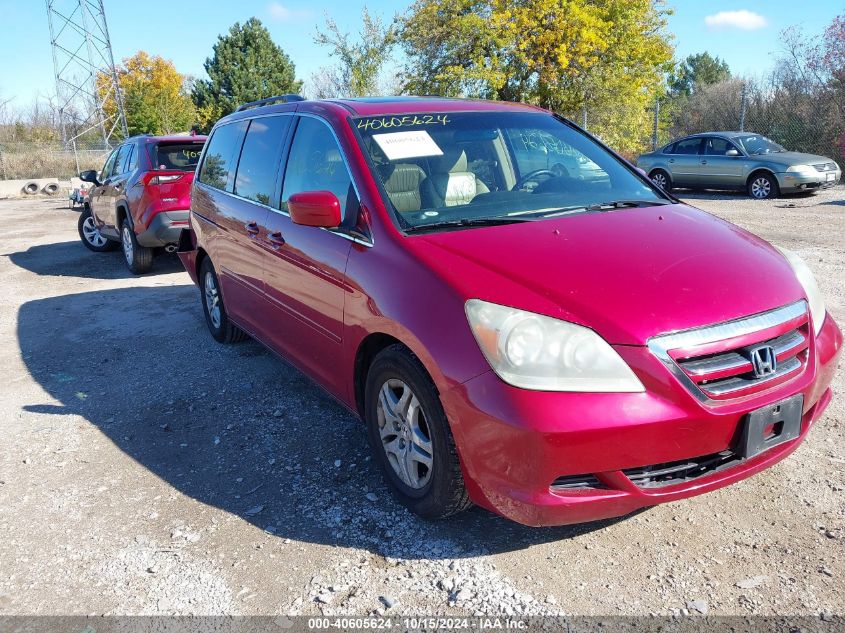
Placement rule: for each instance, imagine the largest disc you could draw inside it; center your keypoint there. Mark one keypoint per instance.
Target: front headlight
(811, 288)
(802, 170)
(537, 352)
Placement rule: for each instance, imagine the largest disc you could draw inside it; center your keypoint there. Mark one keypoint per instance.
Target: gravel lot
(145, 469)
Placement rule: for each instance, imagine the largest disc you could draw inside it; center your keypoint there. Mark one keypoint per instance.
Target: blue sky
(743, 32)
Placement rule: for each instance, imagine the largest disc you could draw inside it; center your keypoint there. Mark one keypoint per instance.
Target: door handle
(703, 162)
(276, 240)
(251, 228)
(671, 160)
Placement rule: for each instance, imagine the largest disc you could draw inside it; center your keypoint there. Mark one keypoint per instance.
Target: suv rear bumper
(164, 229)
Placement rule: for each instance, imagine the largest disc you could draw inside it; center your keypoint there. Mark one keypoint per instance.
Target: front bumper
(515, 443)
(792, 182)
(164, 229)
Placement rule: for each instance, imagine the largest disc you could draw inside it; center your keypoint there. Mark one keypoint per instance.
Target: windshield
(756, 144)
(470, 166)
(178, 156)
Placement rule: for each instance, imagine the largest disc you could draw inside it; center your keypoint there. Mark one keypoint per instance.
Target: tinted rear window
(178, 156)
(223, 148)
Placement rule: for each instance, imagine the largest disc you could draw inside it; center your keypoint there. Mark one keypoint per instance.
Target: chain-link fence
(810, 120)
(29, 159)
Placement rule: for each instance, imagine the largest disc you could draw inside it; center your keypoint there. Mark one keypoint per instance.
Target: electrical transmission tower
(86, 79)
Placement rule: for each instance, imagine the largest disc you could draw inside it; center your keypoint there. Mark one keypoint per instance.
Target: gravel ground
(144, 469)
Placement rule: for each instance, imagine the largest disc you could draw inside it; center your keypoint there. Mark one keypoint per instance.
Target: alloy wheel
(128, 247)
(659, 179)
(405, 435)
(92, 233)
(761, 188)
(212, 299)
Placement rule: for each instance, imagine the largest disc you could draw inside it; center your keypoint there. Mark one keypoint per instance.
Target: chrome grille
(715, 362)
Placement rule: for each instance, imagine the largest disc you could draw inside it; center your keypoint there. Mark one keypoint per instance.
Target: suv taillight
(160, 178)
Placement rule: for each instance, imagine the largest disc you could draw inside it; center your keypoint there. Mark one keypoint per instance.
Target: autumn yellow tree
(609, 57)
(155, 95)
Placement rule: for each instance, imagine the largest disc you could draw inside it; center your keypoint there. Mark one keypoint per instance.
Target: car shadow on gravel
(72, 259)
(234, 426)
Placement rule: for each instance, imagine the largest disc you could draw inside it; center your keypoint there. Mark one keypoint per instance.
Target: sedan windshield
(463, 169)
(756, 144)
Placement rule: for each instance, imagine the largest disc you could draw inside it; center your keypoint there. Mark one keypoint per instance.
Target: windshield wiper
(446, 224)
(621, 204)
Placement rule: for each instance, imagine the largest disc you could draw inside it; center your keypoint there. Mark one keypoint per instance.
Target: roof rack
(289, 98)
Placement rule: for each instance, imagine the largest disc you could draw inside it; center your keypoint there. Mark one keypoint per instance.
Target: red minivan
(140, 200)
(521, 318)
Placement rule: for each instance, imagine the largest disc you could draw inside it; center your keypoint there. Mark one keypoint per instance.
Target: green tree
(566, 55)
(155, 97)
(246, 65)
(697, 71)
(359, 61)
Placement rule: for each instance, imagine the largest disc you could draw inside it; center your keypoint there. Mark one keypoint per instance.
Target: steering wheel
(532, 176)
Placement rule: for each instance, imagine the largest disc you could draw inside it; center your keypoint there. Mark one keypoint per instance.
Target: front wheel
(139, 259)
(410, 436)
(762, 186)
(91, 236)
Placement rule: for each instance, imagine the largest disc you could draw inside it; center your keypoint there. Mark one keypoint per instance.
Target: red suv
(141, 198)
(522, 319)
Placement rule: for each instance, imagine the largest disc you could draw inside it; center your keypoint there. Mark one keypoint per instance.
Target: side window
(131, 159)
(120, 161)
(717, 146)
(315, 163)
(218, 166)
(259, 163)
(688, 146)
(107, 168)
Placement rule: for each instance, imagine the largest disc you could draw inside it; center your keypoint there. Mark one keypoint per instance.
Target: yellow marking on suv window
(408, 120)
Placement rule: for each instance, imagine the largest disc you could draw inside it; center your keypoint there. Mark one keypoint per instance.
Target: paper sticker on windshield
(398, 145)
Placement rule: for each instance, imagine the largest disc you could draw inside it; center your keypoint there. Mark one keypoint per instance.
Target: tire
(31, 188)
(51, 188)
(662, 179)
(432, 491)
(763, 186)
(91, 237)
(139, 259)
(219, 325)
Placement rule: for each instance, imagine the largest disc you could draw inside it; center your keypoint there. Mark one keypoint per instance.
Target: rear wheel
(662, 179)
(139, 259)
(410, 436)
(91, 236)
(762, 186)
(221, 328)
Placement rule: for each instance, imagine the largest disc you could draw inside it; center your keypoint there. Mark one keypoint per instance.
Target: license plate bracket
(771, 425)
(831, 177)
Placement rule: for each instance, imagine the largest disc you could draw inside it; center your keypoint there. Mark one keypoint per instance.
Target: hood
(792, 158)
(629, 274)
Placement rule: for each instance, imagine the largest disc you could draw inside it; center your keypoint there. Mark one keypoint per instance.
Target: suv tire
(416, 428)
(91, 236)
(139, 259)
(216, 318)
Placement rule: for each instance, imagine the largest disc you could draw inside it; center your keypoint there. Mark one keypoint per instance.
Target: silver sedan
(738, 160)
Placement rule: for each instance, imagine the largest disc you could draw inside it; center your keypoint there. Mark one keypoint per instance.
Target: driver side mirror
(732, 152)
(89, 175)
(315, 208)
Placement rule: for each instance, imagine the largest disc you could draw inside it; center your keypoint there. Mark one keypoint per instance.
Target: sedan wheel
(405, 436)
(762, 187)
(661, 179)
